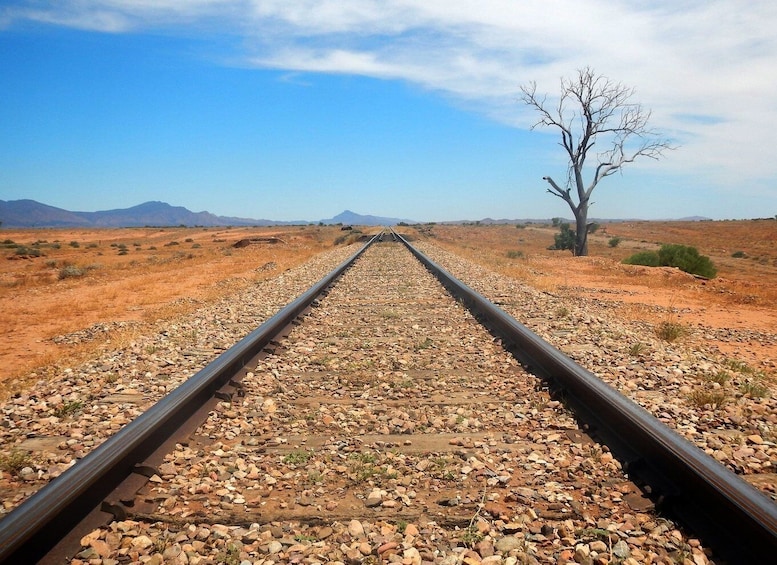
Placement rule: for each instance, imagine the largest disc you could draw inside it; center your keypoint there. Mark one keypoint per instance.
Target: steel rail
(32, 529)
(730, 515)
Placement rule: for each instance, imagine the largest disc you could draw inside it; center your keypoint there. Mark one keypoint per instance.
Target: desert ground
(118, 282)
(742, 296)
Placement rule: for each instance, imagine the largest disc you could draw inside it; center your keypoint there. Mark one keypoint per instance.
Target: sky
(300, 109)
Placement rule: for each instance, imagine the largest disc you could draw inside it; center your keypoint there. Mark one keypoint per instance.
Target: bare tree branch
(593, 109)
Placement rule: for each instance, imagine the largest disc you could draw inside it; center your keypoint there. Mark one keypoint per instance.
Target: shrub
(564, 239)
(686, 259)
(68, 408)
(15, 461)
(69, 271)
(647, 258)
(672, 255)
(514, 254)
(738, 255)
(74, 244)
(29, 251)
(670, 331)
(754, 389)
(614, 241)
(298, 457)
(702, 397)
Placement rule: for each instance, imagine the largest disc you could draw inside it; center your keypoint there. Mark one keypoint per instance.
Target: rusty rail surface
(33, 529)
(729, 514)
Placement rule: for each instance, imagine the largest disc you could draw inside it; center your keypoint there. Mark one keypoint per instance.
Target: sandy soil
(139, 276)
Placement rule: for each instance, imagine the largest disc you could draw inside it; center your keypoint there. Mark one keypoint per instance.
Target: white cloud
(707, 68)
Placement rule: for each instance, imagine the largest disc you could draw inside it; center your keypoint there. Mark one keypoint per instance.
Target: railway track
(391, 426)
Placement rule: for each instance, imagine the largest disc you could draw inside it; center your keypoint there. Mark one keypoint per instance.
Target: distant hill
(352, 218)
(32, 214)
(29, 214)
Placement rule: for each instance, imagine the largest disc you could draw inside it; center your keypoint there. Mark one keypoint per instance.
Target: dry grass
(140, 275)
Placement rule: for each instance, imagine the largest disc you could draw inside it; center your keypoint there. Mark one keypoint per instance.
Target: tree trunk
(581, 230)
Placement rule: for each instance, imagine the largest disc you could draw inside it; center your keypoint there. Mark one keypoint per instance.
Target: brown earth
(138, 276)
(743, 296)
(145, 275)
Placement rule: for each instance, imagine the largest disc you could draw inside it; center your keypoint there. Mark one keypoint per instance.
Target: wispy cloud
(707, 68)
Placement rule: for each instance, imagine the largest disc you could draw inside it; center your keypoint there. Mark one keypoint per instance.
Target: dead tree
(593, 109)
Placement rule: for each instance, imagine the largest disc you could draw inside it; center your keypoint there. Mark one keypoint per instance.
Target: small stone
(356, 529)
(374, 499)
(621, 550)
(142, 542)
(387, 546)
(269, 406)
(102, 548)
(508, 543)
(411, 556)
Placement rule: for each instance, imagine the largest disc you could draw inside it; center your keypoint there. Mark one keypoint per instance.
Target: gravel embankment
(390, 428)
(57, 421)
(716, 402)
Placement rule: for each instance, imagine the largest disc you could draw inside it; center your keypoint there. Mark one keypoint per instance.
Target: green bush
(647, 258)
(687, 259)
(564, 239)
(614, 241)
(672, 255)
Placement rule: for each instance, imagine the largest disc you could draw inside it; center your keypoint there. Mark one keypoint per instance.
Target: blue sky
(297, 110)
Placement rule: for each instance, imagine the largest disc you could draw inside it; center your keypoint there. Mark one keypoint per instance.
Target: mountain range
(29, 214)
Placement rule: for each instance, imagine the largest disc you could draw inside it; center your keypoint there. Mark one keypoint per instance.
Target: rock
(356, 529)
(374, 499)
(508, 543)
(621, 550)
